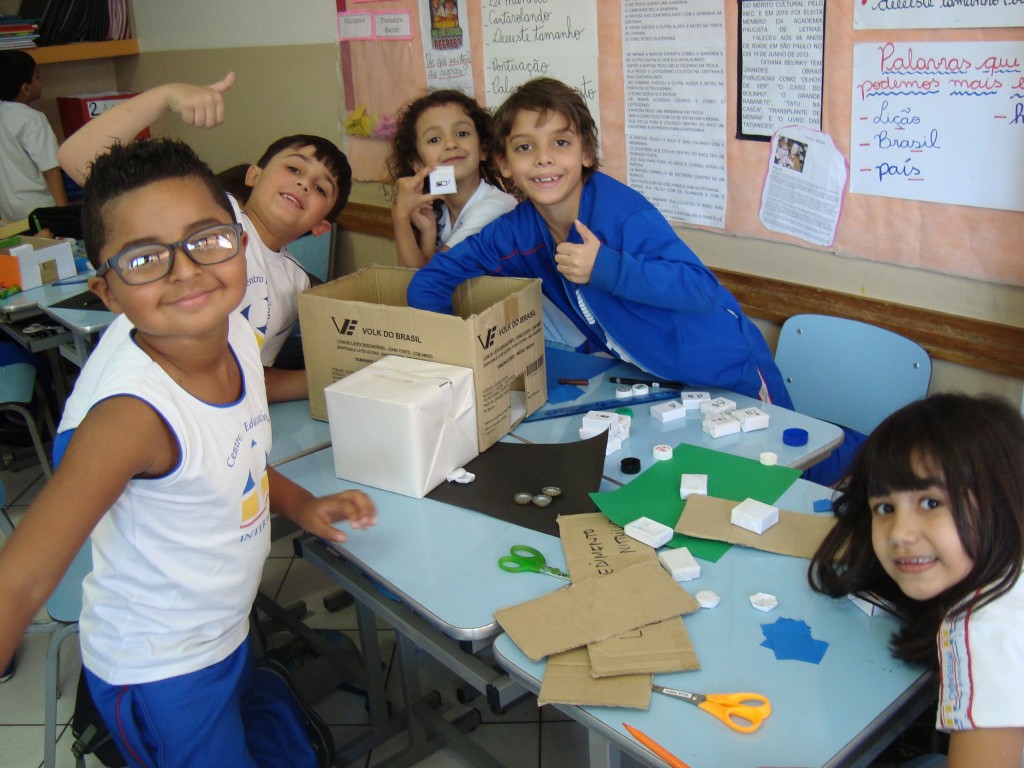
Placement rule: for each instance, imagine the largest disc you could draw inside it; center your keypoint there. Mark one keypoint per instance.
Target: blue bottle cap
(795, 436)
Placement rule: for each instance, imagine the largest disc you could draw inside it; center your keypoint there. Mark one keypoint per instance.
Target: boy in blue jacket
(615, 274)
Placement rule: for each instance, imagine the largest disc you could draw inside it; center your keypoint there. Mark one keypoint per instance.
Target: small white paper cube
(692, 400)
(599, 420)
(442, 180)
(718, 405)
(754, 515)
(751, 419)
(670, 411)
(648, 531)
(620, 427)
(680, 564)
(689, 484)
(720, 425)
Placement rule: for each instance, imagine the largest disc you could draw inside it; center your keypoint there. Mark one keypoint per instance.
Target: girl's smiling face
(915, 538)
(446, 135)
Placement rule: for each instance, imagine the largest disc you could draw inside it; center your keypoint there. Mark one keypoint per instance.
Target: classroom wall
(287, 64)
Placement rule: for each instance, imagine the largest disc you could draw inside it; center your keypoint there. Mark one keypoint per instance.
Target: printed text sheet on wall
(537, 38)
(782, 45)
(940, 122)
(673, 59)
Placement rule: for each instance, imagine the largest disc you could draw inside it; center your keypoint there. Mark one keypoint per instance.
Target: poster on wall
(939, 122)
(673, 65)
(445, 33)
(782, 49)
(803, 187)
(537, 38)
(948, 14)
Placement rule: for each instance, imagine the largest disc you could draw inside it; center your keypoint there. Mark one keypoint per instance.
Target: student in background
(167, 471)
(615, 271)
(442, 128)
(299, 186)
(931, 519)
(28, 148)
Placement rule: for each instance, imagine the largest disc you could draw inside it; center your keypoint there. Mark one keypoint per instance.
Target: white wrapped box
(718, 405)
(720, 425)
(402, 424)
(755, 516)
(669, 411)
(692, 400)
(751, 419)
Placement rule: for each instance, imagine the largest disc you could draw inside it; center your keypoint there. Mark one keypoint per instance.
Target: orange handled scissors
(743, 712)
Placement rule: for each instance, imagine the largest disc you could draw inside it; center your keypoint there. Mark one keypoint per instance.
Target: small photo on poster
(790, 153)
(445, 26)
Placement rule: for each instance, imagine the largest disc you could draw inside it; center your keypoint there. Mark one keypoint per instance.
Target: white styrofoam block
(680, 564)
(754, 515)
(402, 424)
(869, 608)
(720, 425)
(648, 531)
(586, 434)
(718, 405)
(598, 420)
(692, 400)
(751, 419)
(689, 484)
(668, 411)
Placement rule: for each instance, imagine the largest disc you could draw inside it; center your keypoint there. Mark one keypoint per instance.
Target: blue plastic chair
(314, 253)
(850, 373)
(18, 389)
(64, 607)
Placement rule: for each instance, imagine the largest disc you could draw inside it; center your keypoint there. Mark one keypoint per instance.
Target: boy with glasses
(299, 186)
(166, 469)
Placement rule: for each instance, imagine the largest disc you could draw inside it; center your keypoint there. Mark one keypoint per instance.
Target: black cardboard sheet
(504, 469)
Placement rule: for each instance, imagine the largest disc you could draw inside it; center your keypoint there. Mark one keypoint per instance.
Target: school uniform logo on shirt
(258, 315)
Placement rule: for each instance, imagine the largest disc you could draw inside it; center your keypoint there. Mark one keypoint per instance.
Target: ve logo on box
(487, 340)
(347, 327)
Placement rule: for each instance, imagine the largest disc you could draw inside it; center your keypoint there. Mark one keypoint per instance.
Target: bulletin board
(974, 242)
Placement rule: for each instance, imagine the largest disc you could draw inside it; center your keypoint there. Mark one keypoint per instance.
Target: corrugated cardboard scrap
(567, 680)
(594, 610)
(596, 546)
(795, 534)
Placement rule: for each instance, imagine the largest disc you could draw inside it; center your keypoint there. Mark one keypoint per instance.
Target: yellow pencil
(655, 747)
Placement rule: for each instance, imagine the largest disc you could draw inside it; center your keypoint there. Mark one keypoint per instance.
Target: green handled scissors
(743, 712)
(522, 559)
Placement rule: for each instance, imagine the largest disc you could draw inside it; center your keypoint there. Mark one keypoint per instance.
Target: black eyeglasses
(148, 263)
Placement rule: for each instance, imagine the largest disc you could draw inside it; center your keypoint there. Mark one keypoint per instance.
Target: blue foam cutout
(790, 639)
(823, 505)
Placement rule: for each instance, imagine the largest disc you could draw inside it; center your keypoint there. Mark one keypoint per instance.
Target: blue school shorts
(224, 715)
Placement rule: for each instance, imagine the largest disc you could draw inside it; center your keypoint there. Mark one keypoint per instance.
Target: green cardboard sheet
(655, 492)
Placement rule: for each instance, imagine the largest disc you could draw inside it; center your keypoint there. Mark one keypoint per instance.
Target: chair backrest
(848, 372)
(314, 253)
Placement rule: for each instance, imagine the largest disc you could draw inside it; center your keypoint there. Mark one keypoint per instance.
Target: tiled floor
(523, 737)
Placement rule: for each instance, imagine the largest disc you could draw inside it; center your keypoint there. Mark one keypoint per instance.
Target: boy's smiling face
(545, 157)
(191, 300)
(293, 194)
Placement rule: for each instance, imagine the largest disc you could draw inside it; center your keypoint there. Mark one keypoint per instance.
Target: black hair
(16, 69)
(400, 161)
(326, 152)
(545, 94)
(975, 446)
(127, 167)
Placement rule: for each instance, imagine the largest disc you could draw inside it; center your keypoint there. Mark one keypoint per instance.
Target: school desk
(439, 563)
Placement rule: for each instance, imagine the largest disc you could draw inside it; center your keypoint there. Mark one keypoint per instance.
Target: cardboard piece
(662, 647)
(497, 331)
(402, 425)
(633, 597)
(595, 546)
(34, 261)
(796, 534)
(567, 680)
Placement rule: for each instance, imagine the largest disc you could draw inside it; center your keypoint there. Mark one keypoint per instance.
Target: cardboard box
(402, 425)
(33, 261)
(497, 331)
(75, 111)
